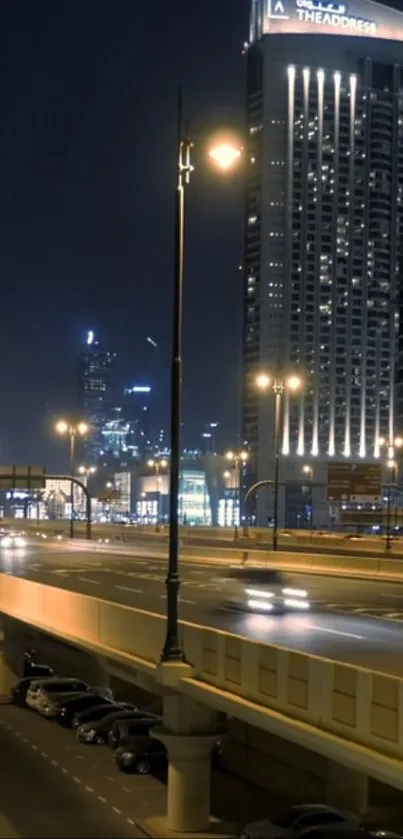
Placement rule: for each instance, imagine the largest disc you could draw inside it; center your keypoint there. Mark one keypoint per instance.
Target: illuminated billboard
(361, 18)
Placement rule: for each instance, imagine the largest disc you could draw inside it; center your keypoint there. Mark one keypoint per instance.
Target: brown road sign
(22, 477)
(354, 482)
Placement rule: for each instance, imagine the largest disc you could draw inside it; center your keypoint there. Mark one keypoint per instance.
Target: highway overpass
(349, 714)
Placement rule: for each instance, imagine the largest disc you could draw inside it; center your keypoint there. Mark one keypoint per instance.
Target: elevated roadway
(358, 621)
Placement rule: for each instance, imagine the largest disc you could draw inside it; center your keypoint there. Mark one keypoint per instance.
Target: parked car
(70, 706)
(98, 732)
(19, 691)
(99, 712)
(124, 729)
(291, 822)
(41, 692)
(142, 755)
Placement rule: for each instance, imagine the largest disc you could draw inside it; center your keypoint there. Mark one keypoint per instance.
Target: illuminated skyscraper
(324, 226)
(96, 392)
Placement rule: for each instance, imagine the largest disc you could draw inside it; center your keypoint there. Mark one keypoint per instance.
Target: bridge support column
(189, 733)
(347, 788)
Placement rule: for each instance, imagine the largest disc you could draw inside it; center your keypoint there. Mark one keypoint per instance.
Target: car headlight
(296, 604)
(6, 542)
(19, 542)
(260, 605)
(294, 592)
(126, 756)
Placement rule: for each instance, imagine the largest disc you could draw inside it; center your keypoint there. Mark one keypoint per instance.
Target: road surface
(359, 622)
(53, 786)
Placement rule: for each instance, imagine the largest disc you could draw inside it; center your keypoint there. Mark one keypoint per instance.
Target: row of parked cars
(99, 719)
(96, 716)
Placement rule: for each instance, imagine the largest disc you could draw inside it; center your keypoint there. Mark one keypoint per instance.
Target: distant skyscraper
(96, 392)
(137, 410)
(324, 226)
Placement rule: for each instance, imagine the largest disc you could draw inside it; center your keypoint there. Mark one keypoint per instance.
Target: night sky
(87, 149)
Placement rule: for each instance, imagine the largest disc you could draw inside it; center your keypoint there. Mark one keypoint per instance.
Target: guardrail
(347, 713)
(258, 536)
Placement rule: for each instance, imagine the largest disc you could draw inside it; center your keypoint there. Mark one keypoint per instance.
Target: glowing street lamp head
(399, 442)
(230, 456)
(225, 155)
(164, 463)
(307, 470)
(244, 456)
(151, 464)
(62, 427)
(294, 383)
(82, 428)
(263, 381)
(391, 464)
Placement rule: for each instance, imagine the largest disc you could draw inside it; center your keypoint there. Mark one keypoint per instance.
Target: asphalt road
(53, 786)
(359, 622)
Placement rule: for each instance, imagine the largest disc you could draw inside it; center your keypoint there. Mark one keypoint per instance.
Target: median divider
(349, 714)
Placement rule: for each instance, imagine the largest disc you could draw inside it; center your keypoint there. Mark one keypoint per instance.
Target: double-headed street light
(238, 459)
(157, 465)
(224, 154)
(279, 385)
(87, 471)
(72, 430)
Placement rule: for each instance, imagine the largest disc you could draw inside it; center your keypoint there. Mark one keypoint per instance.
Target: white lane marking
(87, 580)
(131, 821)
(25, 739)
(116, 810)
(35, 748)
(182, 600)
(392, 596)
(88, 789)
(335, 632)
(100, 798)
(55, 763)
(59, 571)
(65, 771)
(132, 590)
(35, 565)
(79, 757)
(126, 789)
(76, 780)
(109, 778)
(394, 615)
(43, 754)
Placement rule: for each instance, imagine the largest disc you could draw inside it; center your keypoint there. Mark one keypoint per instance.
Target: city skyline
(87, 210)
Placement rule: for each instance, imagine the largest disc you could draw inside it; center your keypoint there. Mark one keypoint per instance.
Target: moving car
(68, 707)
(42, 693)
(294, 820)
(124, 729)
(13, 540)
(142, 755)
(262, 590)
(98, 732)
(99, 712)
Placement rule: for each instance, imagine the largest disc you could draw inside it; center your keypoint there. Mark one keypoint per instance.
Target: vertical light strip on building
(332, 362)
(393, 267)
(316, 341)
(377, 445)
(349, 301)
(288, 247)
(305, 160)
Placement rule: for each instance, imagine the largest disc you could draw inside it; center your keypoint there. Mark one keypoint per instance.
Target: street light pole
(72, 468)
(172, 650)
(278, 388)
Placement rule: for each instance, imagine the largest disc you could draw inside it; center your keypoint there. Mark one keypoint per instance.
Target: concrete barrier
(346, 713)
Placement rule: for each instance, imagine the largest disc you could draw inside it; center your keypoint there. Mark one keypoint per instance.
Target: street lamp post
(72, 430)
(237, 458)
(224, 155)
(157, 465)
(391, 464)
(279, 385)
